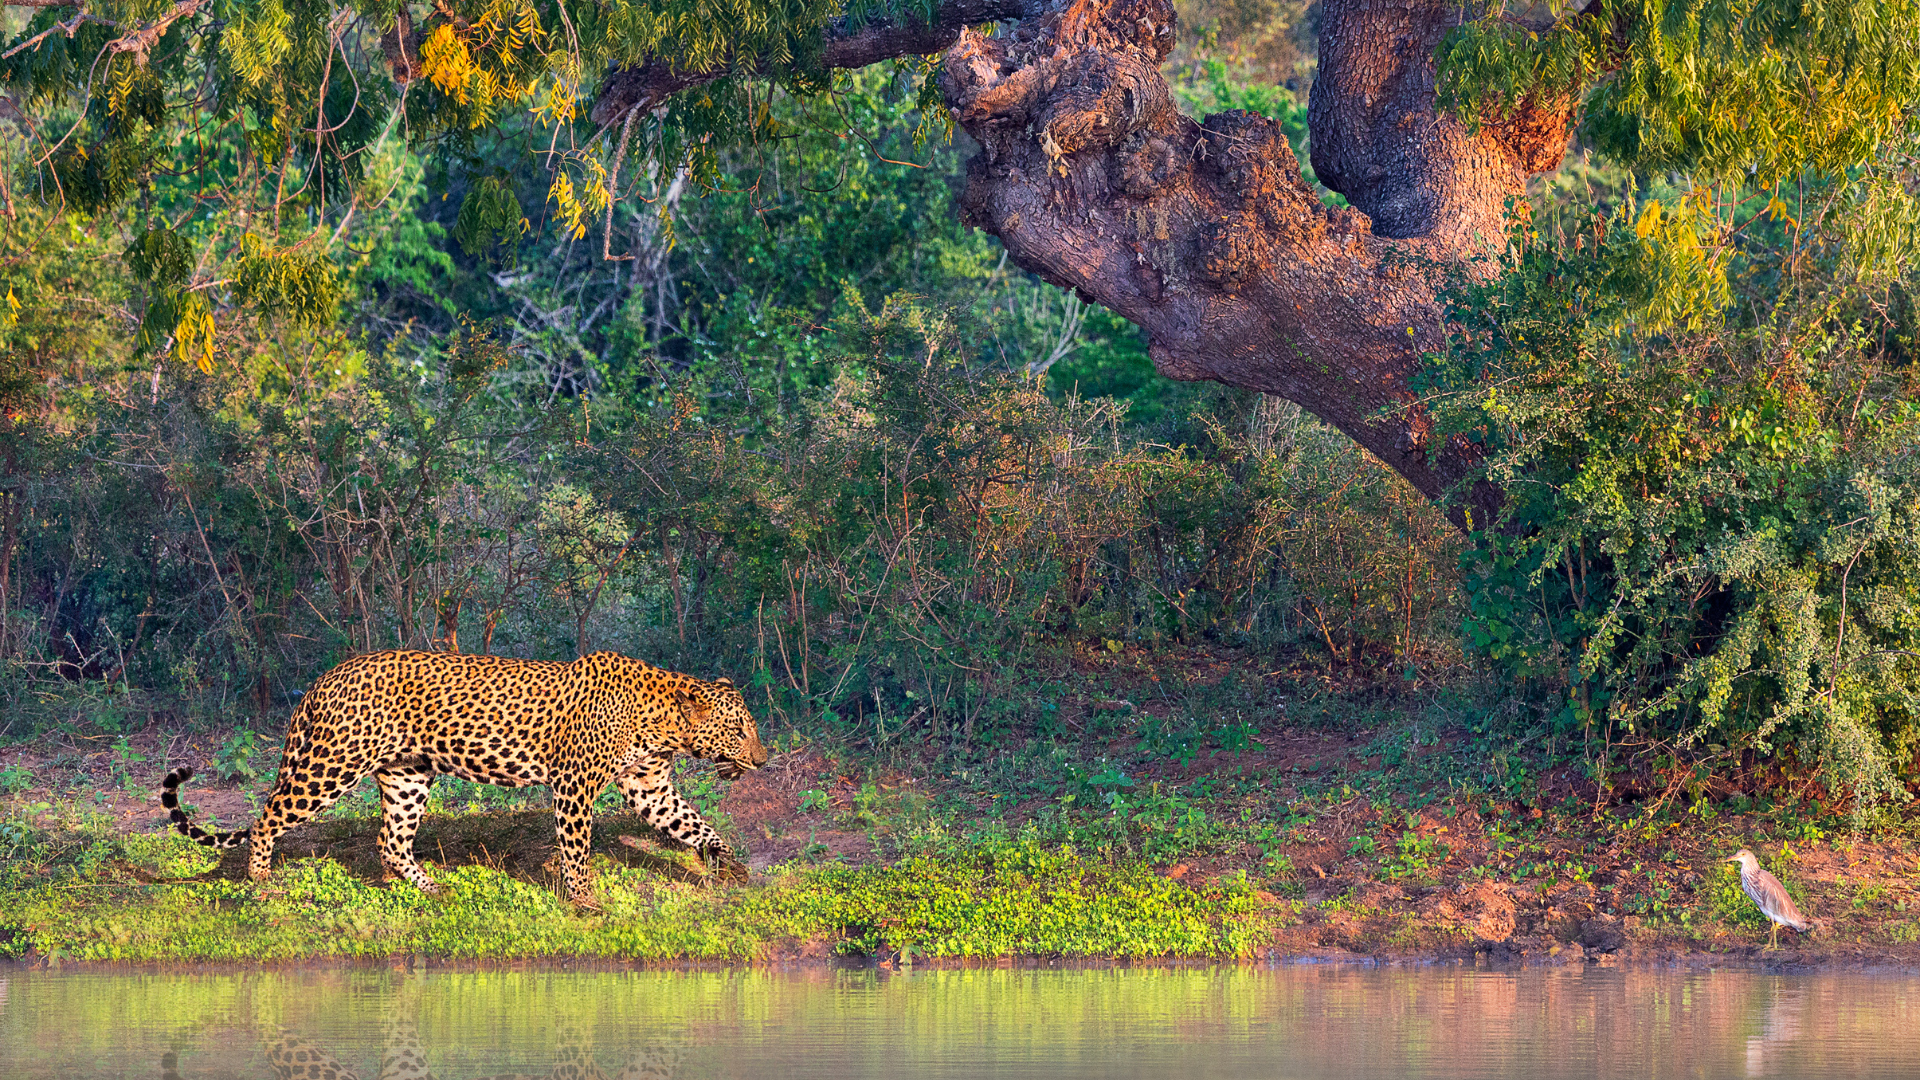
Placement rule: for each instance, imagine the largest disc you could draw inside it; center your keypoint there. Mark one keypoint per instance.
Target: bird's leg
(1773, 941)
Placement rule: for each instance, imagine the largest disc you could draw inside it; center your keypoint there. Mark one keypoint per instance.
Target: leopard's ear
(692, 708)
(723, 681)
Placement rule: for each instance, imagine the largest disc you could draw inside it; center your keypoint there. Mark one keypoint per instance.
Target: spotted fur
(405, 717)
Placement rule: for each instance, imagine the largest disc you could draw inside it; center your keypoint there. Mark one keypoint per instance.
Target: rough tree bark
(1206, 235)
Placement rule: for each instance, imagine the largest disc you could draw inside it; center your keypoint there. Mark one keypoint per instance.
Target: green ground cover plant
(1014, 894)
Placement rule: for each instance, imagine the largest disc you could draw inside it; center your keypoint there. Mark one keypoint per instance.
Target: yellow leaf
(568, 207)
(445, 61)
(194, 332)
(1649, 219)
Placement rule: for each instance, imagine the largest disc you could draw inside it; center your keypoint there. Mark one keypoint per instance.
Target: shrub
(1713, 510)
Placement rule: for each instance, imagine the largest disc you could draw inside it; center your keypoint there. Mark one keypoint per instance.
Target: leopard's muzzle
(752, 756)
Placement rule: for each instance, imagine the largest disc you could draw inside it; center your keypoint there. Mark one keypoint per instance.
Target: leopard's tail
(170, 798)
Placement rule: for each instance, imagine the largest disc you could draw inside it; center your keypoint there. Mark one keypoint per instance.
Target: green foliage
(958, 534)
(1714, 506)
(168, 854)
(489, 217)
(290, 282)
(1110, 360)
(1262, 43)
(876, 554)
(56, 271)
(161, 257)
(184, 318)
(99, 177)
(766, 264)
(1023, 898)
(1415, 856)
(1011, 895)
(248, 129)
(48, 846)
(15, 778)
(1216, 90)
(234, 759)
(1755, 91)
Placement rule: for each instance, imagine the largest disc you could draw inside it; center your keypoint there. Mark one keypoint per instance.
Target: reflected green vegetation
(1292, 1022)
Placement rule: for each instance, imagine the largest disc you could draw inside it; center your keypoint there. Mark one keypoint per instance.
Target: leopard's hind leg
(308, 783)
(403, 799)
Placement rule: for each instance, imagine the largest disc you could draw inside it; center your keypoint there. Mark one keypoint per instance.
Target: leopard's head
(721, 728)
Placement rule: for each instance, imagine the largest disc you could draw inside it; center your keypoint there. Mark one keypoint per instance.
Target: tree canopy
(1671, 386)
(252, 135)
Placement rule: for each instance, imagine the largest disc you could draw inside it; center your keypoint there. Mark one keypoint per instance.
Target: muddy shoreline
(1482, 956)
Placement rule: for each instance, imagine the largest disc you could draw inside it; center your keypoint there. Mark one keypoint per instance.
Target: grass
(1006, 896)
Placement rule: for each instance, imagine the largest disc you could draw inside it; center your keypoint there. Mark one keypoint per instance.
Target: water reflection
(1288, 1022)
(1780, 1028)
(294, 1057)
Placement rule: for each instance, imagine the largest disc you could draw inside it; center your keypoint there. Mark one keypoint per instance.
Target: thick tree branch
(649, 85)
(1207, 236)
(1378, 140)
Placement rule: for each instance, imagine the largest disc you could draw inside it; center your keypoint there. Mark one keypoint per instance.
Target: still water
(1283, 1022)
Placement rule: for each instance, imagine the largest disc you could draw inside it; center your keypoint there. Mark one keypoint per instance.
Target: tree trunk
(1207, 236)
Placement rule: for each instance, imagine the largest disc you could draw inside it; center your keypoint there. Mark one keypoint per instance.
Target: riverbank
(885, 881)
(1019, 904)
(1386, 835)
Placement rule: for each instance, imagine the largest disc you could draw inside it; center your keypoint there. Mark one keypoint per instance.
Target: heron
(1766, 891)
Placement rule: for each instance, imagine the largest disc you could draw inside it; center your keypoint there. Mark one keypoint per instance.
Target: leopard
(405, 717)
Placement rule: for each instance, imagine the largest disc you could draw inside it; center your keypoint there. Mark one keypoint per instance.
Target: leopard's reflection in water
(293, 1056)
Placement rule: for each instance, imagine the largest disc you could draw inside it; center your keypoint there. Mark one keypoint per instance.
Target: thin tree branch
(846, 46)
(613, 190)
(139, 41)
(66, 28)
